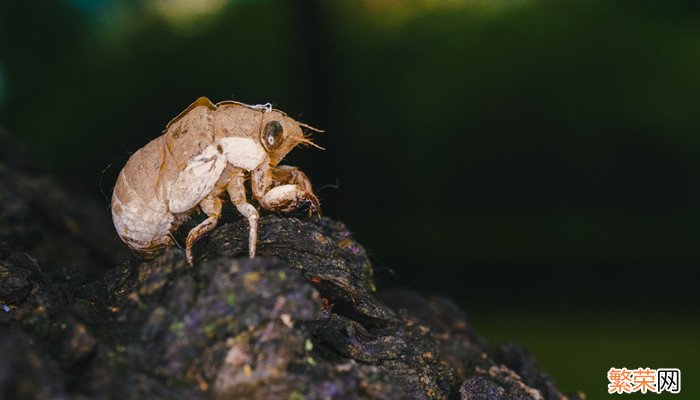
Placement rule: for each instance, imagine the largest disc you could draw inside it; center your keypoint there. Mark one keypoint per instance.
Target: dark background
(537, 161)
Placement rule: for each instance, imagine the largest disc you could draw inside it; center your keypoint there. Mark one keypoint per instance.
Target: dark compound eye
(272, 135)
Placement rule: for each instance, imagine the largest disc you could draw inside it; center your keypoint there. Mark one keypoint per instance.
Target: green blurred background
(537, 161)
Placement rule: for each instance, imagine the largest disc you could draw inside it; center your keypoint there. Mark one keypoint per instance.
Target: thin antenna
(303, 125)
(310, 143)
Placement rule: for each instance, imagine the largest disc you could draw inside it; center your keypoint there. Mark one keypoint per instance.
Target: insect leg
(236, 191)
(290, 189)
(211, 206)
(286, 174)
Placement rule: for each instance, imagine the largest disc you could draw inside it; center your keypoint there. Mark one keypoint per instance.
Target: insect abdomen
(139, 202)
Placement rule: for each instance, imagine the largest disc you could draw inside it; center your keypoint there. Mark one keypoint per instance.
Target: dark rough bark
(301, 321)
(66, 234)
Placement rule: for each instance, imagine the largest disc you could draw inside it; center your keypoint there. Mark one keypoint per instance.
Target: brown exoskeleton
(206, 150)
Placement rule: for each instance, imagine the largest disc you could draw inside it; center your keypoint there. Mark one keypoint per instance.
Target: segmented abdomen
(139, 202)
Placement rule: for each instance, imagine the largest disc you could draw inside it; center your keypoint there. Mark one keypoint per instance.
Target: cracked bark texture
(82, 318)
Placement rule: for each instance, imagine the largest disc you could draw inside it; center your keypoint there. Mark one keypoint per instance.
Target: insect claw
(314, 206)
(317, 212)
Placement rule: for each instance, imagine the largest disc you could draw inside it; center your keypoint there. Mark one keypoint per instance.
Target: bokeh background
(536, 161)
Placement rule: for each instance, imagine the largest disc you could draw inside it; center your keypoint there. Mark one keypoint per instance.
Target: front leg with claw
(283, 189)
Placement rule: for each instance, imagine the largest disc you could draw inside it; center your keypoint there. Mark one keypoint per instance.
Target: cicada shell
(205, 151)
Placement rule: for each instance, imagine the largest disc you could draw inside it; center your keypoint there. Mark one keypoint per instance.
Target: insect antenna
(303, 125)
(309, 142)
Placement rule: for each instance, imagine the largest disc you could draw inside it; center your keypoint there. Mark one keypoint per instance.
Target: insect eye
(272, 135)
